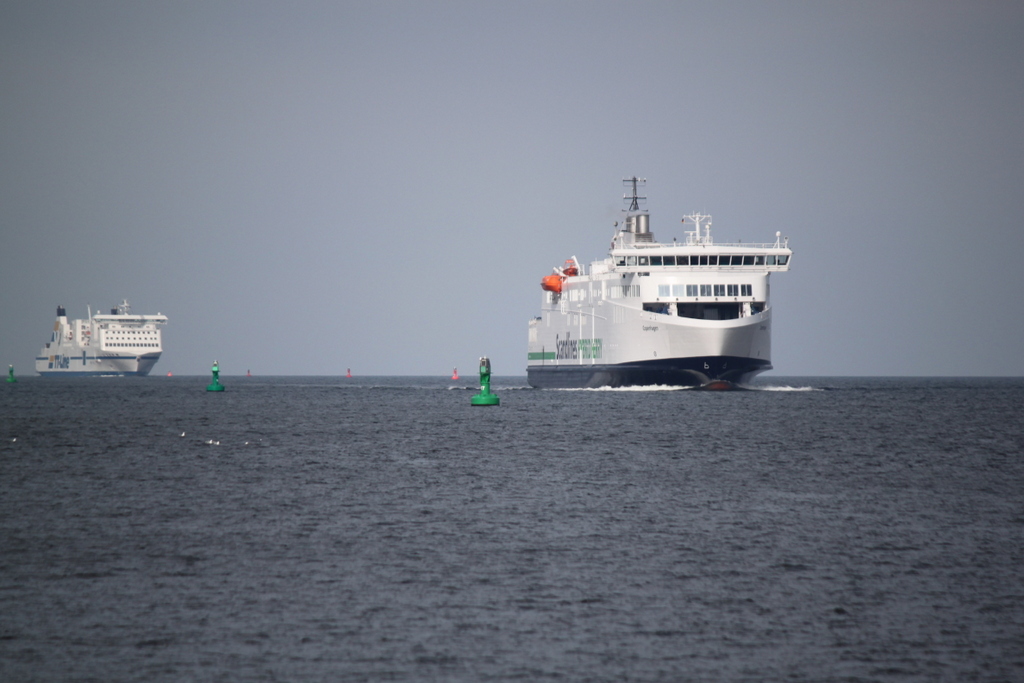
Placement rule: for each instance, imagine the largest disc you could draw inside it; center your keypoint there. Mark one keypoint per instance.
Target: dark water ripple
(324, 529)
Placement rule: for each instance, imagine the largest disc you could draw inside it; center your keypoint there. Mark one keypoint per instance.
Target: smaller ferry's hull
(711, 371)
(96, 366)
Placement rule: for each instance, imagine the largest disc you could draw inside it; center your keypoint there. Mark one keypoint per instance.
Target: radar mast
(635, 199)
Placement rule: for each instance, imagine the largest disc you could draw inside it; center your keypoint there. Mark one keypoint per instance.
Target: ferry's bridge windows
(691, 290)
(664, 290)
(732, 260)
(719, 290)
(746, 290)
(705, 290)
(679, 290)
(733, 290)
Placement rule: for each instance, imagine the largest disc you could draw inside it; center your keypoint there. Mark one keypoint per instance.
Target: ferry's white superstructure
(690, 313)
(120, 343)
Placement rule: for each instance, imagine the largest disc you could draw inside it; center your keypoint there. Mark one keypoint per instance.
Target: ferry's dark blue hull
(60, 365)
(90, 373)
(685, 372)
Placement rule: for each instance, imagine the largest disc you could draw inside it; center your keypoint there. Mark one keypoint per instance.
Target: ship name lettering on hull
(574, 349)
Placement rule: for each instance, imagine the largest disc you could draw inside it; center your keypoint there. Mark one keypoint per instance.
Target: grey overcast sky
(305, 187)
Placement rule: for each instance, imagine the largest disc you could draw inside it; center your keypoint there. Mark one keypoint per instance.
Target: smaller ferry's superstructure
(691, 313)
(118, 343)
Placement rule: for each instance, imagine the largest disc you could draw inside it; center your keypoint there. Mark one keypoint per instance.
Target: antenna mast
(635, 199)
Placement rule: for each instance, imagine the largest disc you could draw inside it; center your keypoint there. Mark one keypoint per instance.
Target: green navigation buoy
(216, 385)
(485, 397)
(10, 374)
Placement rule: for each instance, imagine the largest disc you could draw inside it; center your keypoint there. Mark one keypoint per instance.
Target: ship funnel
(60, 312)
(638, 224)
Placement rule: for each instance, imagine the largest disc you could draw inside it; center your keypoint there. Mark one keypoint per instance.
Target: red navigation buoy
(349, 374)
(455, 373)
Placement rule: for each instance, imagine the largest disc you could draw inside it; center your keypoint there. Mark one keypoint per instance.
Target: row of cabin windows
(627, 291)
(131, 345)
(705, 260)
(623, 291)
(705, 290)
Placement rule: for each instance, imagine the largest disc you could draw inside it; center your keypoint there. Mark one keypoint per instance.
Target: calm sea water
(382, 529)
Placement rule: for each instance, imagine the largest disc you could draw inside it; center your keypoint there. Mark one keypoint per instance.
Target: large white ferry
(690, 313)
(120, 343)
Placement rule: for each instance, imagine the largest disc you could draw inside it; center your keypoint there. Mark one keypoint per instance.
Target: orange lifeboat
(552, 283)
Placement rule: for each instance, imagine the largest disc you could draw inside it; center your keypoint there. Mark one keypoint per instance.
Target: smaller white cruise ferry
(120, 343)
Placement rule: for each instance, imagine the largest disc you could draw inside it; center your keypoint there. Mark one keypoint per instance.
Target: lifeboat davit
(552, 283)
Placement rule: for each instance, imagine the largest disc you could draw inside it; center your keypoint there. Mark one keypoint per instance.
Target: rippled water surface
(382, 529)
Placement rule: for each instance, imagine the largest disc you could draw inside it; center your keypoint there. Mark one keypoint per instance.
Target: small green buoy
(215, 385)
(10, 374)
(485, 397)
